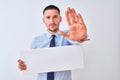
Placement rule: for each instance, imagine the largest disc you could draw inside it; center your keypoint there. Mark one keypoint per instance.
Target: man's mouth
(53, 24)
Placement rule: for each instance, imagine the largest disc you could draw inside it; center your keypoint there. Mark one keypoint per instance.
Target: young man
(77, 33)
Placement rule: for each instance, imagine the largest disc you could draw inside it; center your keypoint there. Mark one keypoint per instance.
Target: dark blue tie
(52, 42)
(50, 75)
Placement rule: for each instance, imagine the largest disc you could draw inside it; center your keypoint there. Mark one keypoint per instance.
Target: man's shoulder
(40, 37)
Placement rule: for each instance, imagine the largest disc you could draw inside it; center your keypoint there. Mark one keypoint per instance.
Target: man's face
(52, 20)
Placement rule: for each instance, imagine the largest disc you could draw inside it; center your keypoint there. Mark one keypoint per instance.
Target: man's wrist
(82, 40)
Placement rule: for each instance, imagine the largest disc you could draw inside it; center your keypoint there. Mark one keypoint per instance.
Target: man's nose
(51, 20)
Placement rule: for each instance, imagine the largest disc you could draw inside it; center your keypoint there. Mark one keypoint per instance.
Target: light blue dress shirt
(43, 41)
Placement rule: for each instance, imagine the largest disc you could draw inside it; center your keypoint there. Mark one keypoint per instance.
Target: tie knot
(53, 36)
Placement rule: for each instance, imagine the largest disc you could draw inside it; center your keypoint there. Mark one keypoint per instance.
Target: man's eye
(48, 17)
(55, 16)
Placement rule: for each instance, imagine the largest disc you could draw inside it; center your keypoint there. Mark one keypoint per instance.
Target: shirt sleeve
(34, 43)
(32, 46)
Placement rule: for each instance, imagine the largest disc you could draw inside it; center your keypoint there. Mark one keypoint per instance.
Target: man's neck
(52, 32)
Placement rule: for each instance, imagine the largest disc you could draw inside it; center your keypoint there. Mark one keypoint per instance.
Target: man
(76, 34)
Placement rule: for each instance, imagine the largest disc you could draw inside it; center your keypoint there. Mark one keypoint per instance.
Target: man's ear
(60, 19)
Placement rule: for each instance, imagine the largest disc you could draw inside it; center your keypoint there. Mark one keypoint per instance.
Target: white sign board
(53, 59)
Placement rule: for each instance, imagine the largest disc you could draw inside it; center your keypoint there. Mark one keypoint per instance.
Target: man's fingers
(22, 68)
(71, 16)
(75, 19)
(20, 61)
(67, 17)
(80, 19)
(21, 65)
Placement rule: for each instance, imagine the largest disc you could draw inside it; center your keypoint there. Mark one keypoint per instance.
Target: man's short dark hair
(49, 7)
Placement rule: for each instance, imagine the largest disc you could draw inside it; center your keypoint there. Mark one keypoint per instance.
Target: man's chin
(53, 30)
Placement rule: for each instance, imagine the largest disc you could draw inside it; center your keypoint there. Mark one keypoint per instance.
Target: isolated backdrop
(21, 20)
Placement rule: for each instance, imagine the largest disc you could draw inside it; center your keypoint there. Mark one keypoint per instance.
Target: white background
(21, 20)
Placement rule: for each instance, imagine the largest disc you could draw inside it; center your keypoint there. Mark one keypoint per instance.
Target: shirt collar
(49, 34)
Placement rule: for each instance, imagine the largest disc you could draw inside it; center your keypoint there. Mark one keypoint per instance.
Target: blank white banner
(53, 59)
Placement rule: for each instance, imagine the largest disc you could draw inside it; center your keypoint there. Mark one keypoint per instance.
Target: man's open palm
(77, 28)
